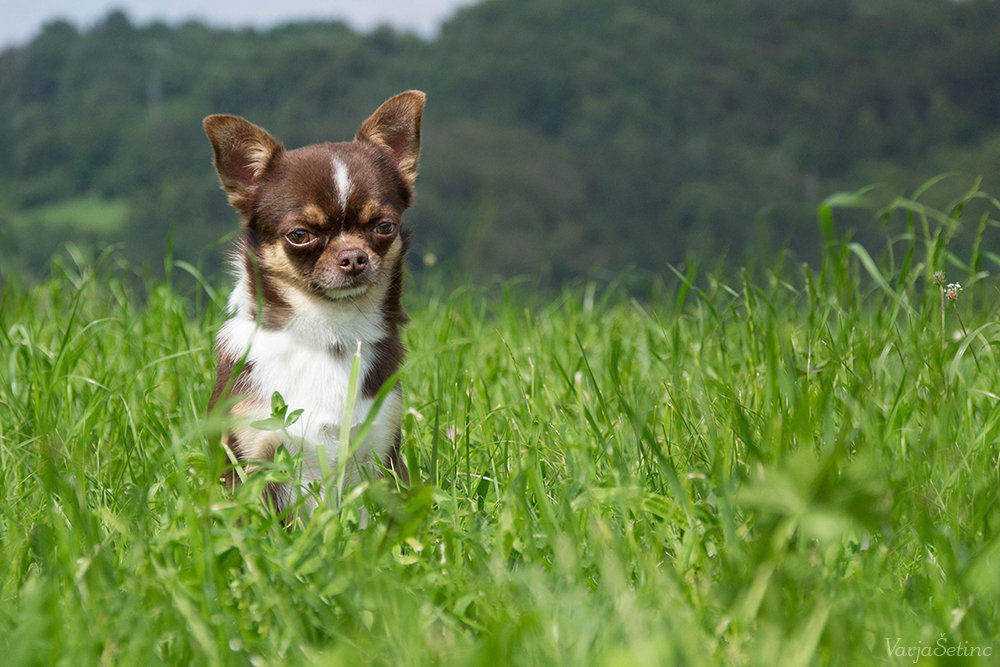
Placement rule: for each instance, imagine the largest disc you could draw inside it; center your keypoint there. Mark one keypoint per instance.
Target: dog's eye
(385, 228)
(299, 237)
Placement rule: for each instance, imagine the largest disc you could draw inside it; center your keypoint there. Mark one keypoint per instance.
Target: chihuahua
(319, 270)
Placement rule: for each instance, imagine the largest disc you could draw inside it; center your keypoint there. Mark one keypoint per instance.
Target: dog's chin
(345, 293)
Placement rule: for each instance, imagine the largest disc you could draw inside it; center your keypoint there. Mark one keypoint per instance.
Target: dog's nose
(352, 261)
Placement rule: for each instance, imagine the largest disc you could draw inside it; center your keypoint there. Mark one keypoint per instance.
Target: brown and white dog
(319, 270)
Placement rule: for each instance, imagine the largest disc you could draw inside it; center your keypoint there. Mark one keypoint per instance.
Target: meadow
(787, 466)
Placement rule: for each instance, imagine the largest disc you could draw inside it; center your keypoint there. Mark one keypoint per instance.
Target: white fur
(241, 299)
(342, 182)
(309, 364)
(346, 292)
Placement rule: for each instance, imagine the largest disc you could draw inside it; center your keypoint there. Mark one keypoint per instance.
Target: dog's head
(324, 221)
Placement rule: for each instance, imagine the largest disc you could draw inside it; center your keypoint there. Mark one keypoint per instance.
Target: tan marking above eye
(313, 214)
(370, 211)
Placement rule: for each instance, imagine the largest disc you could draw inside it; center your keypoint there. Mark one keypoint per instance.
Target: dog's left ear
(396, 126)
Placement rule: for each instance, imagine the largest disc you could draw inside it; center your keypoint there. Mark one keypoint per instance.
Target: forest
(561, 138)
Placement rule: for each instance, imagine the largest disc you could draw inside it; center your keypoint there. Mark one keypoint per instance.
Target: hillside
(560, 135)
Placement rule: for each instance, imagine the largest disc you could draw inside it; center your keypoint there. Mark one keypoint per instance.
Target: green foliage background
(560, 135)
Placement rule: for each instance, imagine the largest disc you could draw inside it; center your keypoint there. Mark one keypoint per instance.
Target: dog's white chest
(310, 366)
(311, 378)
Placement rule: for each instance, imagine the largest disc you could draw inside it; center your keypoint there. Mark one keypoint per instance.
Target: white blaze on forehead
(341, 182)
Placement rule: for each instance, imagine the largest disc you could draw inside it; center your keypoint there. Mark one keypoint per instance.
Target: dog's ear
(396, 126)
(243, 152)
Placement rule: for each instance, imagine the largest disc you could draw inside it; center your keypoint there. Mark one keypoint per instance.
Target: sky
(20, 20)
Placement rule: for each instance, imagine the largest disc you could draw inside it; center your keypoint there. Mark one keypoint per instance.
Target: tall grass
(795, 469)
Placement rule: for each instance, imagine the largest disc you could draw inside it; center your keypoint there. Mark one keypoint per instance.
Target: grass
(795, 469)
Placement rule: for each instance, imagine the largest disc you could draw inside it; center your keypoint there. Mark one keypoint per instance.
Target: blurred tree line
(560, 135)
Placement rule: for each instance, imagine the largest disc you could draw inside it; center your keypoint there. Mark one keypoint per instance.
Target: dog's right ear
(243, 152)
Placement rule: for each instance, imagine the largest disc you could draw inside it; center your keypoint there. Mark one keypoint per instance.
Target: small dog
(319, 271)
